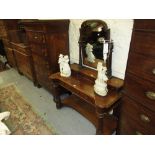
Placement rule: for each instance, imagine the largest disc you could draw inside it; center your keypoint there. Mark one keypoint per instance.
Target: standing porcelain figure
(3, 128)
(89, 52)
(65, 70)
(100, 86)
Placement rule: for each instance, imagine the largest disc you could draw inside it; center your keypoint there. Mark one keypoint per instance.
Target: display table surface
(83, 98)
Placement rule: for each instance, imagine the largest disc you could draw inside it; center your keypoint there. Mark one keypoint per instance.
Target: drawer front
(140, 115)
(143, 91)
(143, 43)
(130, 127)
(142, 66)
(148, 24)
(21, 48)
(23, 63)
(39, 49)
(36, 37)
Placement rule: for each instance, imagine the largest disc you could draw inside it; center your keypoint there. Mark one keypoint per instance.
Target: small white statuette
(3, 128)
(89, 52)
(100, 86)
(64, 65)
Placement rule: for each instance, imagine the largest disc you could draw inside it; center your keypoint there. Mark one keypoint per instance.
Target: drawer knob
(150, 95)
(144, 118)
(138, 133)
(153, 71)
(35, 37)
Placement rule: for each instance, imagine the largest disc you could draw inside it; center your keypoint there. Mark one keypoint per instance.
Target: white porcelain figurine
(63, 61)
(3, 128)
(100, 86)
(89, 52)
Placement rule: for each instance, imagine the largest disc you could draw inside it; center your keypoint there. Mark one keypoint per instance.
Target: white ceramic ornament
(100, 86)
(63, 61)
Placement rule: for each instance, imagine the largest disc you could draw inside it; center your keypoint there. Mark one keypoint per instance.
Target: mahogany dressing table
(84, 100)
(80, 85)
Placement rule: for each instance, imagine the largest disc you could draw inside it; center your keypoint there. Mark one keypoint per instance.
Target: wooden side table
(84, 100)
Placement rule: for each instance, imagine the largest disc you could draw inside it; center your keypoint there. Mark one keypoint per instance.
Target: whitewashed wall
(121, 30)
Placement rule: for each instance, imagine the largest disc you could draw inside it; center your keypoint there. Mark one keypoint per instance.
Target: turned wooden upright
(83, 98)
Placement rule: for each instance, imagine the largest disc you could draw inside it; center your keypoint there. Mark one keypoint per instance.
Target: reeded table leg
(100, 123)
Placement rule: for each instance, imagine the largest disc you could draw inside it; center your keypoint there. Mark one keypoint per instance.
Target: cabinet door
(42, 71)
(10, 57)
(23, 63)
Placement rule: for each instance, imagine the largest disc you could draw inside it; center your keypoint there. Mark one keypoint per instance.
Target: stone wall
(121, 30)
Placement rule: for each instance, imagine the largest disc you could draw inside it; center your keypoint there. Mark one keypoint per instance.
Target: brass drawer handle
(138, 133)
(153, 71)
(150, 95)
(35, 37)
(144, 118)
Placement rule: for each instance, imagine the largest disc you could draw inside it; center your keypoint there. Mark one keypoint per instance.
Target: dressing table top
(81, 83)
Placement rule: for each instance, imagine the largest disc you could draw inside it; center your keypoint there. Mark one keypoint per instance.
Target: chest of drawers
(138, 103)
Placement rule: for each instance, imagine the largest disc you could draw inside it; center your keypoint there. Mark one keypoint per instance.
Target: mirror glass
(95, 44)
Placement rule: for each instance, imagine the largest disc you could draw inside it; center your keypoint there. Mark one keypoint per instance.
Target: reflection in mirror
(95, 44)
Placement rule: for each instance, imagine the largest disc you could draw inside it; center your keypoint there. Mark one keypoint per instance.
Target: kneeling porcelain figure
(3, 128)
(100, 86)
(65, 70)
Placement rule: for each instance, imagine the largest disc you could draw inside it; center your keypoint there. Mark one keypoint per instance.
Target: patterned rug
(3, 67)
(23, 120)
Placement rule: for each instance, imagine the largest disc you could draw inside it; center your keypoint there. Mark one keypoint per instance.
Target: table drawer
(142, 66)
(143, 43)
(140, 90)
(36, 37)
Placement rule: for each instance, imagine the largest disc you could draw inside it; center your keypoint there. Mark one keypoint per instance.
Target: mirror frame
(82, 43)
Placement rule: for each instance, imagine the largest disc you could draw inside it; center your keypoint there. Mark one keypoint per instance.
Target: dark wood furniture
(7, 25)
(138, 102)
(23, 59)
(47, 39)
(83, 99)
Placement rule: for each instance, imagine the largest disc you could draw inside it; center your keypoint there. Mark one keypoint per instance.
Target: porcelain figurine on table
(63, 61)
(3, 128)
(89, 52)
(100, 86)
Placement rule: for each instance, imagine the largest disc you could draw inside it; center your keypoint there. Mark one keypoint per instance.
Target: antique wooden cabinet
(7, 25)
(9, 53)
(138, 102)
(47, 39)
(23, 59)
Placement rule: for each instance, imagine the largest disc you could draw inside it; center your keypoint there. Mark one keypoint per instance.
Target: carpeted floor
(23, 120)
